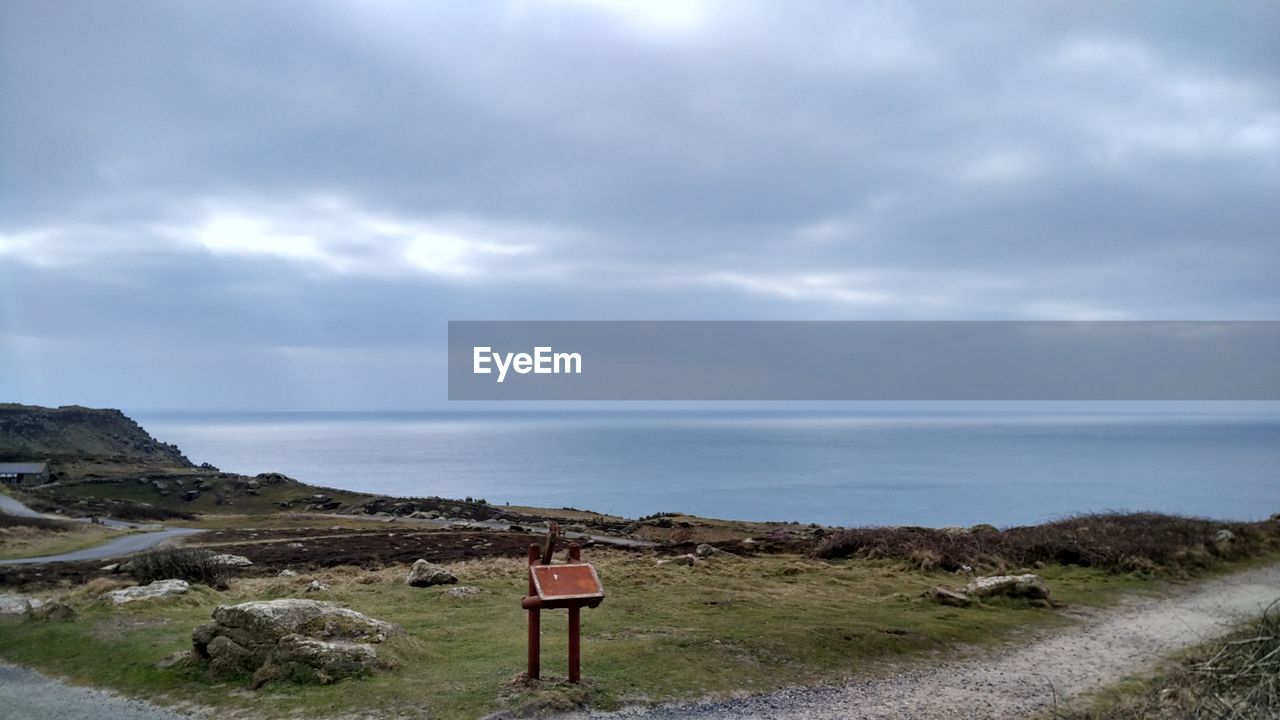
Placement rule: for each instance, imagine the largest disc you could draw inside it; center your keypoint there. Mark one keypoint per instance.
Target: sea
(938, 466)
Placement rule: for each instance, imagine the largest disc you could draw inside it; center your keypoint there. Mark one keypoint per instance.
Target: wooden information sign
(574, 585)
(566, 582)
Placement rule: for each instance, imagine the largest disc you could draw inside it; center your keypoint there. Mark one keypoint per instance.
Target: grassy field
(22, 541)
(665, 632)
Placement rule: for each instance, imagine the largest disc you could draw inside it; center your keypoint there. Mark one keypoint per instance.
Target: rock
(749, 542)
(253, 484)
(517, 529)
(324, 639)
(231, 560)
(191, 495)
(1025, 586)
(14, 605)
(1224, 535)
(174, 659)
(53, 610)
(317, 586)
(154, 591)
(425, 574)
(705, 551)
(462, 591)
(948, 597)
(330, 661)
(113, 567)
(679, 560)
(287, 573)
(295, 545)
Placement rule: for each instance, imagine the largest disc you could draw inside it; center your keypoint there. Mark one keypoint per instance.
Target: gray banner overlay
(766, 360)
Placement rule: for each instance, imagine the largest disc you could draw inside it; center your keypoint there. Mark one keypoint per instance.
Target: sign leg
(535, 644)
(575, 644)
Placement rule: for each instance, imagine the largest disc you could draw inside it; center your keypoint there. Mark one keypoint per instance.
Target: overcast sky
(280, 205)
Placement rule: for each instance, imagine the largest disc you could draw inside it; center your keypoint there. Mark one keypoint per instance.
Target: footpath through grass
(1233, 678)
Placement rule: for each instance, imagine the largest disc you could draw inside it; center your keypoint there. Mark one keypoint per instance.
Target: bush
(1118, 541)
(191, 564)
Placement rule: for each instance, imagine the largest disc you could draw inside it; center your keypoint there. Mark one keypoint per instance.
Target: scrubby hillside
(71, 432)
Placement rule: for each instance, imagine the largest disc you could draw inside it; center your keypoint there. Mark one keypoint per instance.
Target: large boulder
(290, 638)
(1024, 586)
(425, 574)
(154, 591)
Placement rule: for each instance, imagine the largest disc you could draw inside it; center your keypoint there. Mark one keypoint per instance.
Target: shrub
(191, 564)
(1119, 541)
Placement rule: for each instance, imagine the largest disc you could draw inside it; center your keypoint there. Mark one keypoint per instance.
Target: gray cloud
(281, 204)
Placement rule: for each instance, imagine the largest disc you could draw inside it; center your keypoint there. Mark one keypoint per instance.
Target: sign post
(572, 586)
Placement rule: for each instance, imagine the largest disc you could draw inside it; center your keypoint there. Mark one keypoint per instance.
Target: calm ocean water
(929, 467)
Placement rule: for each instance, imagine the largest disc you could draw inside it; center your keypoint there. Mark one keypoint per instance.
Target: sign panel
(566, 582)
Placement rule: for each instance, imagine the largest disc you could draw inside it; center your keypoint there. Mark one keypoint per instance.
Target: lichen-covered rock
(290, 638)
(53, 610)
(231, 560)
(425, 574)
(462, 591)
(1024, 586)
(13, 605)
(154, 591)
(329, 661)
(704, 550)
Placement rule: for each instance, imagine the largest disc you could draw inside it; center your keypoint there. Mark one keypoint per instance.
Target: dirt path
(1014, 682)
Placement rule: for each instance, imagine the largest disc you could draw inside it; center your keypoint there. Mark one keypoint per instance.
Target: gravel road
(28, 695)
(113, 548)
(1017, 681)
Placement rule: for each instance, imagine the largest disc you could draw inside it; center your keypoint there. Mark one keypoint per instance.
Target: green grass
(665, 632)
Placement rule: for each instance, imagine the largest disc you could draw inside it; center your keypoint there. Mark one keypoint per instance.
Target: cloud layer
(248, 204)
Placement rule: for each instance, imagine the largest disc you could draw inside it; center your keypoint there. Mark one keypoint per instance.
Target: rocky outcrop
(425, 574)
(290, 638)
(154, 591)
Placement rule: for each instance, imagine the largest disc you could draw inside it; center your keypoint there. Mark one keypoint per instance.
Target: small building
(24, 474)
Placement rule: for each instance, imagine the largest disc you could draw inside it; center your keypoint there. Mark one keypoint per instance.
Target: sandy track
(1014, 682)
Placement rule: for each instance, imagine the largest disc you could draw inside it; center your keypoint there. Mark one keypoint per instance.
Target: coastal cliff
(72, 432)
